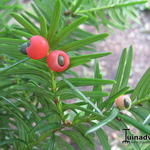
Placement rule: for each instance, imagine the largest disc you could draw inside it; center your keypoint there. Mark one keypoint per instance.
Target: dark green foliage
(7, 7)
(34, 110)
(118, 12)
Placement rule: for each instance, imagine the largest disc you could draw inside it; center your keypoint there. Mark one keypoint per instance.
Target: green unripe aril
(123, 102)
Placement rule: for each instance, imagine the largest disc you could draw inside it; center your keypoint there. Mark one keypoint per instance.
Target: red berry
(123, 102)
(38, 47)
(58, 61)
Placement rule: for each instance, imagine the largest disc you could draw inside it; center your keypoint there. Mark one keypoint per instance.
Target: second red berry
(58, 61)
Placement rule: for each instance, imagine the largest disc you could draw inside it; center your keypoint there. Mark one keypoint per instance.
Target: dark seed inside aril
(23, 48)
(126, 103)
(61, 61)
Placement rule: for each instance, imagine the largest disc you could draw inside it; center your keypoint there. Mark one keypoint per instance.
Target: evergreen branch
(12, 66)
(141, 100)
(83, 96)
(123, 4)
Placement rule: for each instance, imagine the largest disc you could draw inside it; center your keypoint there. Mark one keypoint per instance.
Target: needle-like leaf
(83, 96)
(26, 24)
(55, 20)
(80, 43)
(109, 118)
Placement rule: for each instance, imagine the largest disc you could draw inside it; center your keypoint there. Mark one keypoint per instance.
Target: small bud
(68, 12)
(68, 122)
